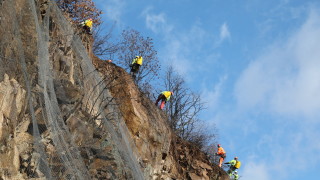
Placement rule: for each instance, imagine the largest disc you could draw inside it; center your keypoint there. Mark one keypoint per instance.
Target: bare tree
(202, 134)
(80, 10)
(210, 151)
(183, 110)
(134, 44)
(103, 45)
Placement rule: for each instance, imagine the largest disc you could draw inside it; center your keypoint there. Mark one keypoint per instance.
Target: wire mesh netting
(70, 138)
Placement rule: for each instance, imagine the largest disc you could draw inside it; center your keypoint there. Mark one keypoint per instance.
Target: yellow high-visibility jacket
(232, 162)
(167, 94)
(137, 60)
(88, 23)
(238, 164)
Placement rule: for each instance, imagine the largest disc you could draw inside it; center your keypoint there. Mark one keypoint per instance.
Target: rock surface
(65, 114)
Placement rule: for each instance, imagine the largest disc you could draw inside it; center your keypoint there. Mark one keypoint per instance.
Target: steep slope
(64, 117)
(163, 155)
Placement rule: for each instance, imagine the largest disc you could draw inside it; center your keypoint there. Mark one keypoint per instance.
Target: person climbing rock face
(234, 165)
(135, 65)
(164, 97)
(221, 153)
(87, 26)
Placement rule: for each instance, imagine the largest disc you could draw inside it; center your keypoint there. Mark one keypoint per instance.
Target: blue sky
(256, 63)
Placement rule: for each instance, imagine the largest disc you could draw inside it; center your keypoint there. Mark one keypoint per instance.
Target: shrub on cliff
(133, 44)
(183, 111)
(80, 10)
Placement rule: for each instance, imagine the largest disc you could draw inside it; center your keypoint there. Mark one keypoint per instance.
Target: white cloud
(254, 171)
(113, 9)
(212, 95)
(286, 78)
(181, 46)
(284, 83)
(294, 147)
(224, 35)
(156, 22)
(224, 32)
(181, 49)
(173, 54)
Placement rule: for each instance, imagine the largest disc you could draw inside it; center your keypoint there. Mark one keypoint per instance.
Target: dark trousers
(134, 70)
(87, 29)
(231, 169)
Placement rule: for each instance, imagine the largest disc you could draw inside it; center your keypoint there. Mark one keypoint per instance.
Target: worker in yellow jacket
(87, 25)
(135, 66)
(234, 165)
(164, 97)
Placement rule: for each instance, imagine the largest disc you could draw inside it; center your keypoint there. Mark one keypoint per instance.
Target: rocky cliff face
(65, 114)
